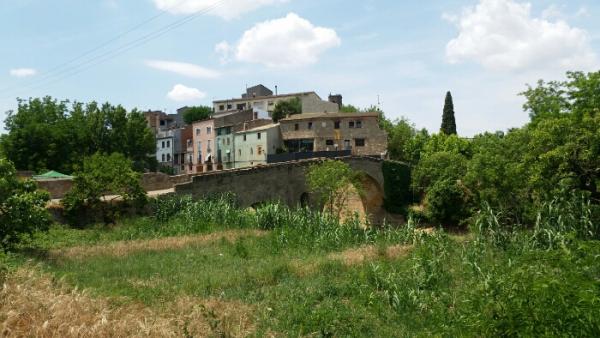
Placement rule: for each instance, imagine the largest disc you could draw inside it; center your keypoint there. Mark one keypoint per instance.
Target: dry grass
(124, 248)
(353, 256)
(356, 256)
(34, 305)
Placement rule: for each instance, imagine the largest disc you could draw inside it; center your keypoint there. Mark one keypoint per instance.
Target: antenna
(378, 102)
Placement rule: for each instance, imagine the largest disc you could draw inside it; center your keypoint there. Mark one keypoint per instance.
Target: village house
(253, 145)
(262, 100)
(358, 133)
(210, 139)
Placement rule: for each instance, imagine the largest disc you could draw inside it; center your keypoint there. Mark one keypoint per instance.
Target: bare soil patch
(32, 304)
(123, 248)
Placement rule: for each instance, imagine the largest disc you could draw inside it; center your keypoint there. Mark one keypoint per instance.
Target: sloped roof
(51, 175)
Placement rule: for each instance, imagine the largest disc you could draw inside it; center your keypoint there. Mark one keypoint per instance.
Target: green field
(282, 272)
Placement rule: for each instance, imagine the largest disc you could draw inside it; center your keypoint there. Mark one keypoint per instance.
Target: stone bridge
(286, 182)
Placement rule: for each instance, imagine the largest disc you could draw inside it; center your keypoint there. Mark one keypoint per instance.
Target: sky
(401, 55)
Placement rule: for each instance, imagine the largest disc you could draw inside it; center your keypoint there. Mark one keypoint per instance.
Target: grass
(305, 275)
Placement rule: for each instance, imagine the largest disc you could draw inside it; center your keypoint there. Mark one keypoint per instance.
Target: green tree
(400, 134)
(448, 121)
(102, 179)
(285, 108)
(438, 166)
(578, 95)
(22, 207)
(193, 114)
(348, 108)
(50, 134)
(333, 182)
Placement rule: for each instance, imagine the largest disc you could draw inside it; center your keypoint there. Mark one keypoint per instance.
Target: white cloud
(182, 68)
(502, 35)
(22, 72)
(224, 49)
(287, 42)
(182, 93)
(228, 9)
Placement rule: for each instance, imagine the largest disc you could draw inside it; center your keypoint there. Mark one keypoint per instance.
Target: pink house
(204, 145)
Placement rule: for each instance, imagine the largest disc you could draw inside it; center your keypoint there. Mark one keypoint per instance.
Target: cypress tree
(448, 121)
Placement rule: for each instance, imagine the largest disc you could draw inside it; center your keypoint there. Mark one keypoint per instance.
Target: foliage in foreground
(502, 281)
(22, 207)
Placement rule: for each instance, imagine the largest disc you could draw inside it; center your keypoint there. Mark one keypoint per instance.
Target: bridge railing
(288, 157)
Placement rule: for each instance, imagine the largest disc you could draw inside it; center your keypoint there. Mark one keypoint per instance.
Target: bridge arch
(285, 182)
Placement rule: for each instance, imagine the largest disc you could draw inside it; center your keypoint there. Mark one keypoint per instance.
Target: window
(229, 106)
(258, 136)
(208, 146)
(241, 106)
(239, 152)
(163, 157)
(351, 124)
(223, 141)
(251, 151)
(270, 103)
(228, 141)
(309, 125)
(296, 126)
(328, 142)
(163, 145)
(222, 107)
(168, 144)
(336, 125)
(197, 131)
(358, 124)
(259, 150)
(189, 143)
(359, 142)
(244, 137)
(208, 130)
(324, 124)
(168, 157)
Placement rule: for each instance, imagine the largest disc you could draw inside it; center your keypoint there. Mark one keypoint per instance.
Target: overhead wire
(106, 56)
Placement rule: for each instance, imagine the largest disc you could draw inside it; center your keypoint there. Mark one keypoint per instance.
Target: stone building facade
(261, 99)
(358, 132)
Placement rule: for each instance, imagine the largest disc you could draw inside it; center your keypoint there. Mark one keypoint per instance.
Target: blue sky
(408, 53)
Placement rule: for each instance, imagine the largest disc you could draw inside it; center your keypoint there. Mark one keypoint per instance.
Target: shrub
(103, 176)
(446, 202)
(22, 207)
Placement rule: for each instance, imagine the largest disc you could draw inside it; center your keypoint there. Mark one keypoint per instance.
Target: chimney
(275, 90)
(337, 98)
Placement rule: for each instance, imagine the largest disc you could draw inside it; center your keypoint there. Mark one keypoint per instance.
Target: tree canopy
(50, 134)
(332, 182)
(285, 108)
(101, 176)
(198, 113)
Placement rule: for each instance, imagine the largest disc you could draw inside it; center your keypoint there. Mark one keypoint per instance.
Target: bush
(22, 207)
(103, 176)
(446, 202)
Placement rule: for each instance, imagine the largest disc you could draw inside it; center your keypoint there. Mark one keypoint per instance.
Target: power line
(80, 67)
